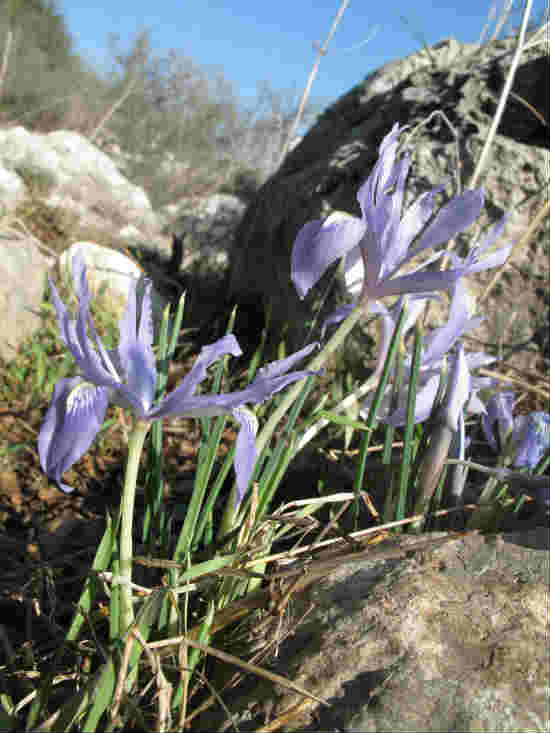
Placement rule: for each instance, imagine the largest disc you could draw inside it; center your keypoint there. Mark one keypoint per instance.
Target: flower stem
(135, 446)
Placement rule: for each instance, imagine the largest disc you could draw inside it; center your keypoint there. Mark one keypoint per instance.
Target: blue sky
(256, 41)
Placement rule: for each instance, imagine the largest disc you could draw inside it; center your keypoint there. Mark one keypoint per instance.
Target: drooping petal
(72, 421)
(319, 244)
(245, 450)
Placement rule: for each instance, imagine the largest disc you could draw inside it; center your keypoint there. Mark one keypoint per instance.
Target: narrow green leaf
(409, 425)
(101, 562)
(102, 696)
(372, 416)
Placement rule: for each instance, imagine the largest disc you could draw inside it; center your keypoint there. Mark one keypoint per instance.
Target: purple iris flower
(376, 245)
(127, 376)
(529, 435)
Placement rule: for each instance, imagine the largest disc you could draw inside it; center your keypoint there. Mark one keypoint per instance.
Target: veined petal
(245, 450)
(318, 245)
(73, 419)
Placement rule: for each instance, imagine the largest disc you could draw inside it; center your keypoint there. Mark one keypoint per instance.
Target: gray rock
(23, 279)
(324, 172)
(70, 174)
(452, 639)
(73, 173)
(207, 227)
(111, 272)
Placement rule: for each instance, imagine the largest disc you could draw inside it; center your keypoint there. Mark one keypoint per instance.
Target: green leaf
(100, 563)
(102, 696)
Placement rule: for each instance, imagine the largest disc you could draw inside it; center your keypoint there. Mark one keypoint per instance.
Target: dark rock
(324, 171)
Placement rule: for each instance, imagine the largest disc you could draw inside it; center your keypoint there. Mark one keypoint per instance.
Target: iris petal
(245, 450)
(73, 419)
(318, 245)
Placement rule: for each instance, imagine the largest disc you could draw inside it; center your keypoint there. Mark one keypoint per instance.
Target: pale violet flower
(376, 245)
(127, 376)
(526, 436)
(500, 415)
(432, 361)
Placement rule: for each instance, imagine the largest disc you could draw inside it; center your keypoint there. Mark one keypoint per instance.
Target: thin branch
(321, 51)
(503, 97)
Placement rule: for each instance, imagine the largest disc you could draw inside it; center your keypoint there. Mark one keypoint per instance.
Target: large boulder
(324, 172)
(110, 273)
(115, 228)
(452, 638)
(63, 172)
(23, 279)
(72, 173)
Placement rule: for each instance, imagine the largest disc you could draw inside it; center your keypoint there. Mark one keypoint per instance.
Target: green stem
(316, 363)
(135, 446)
